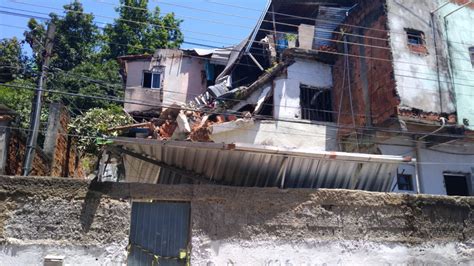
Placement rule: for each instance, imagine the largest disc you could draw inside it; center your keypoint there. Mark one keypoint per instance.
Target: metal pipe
(438, 8)
(417, 172)
(457, 9)
(443, 121)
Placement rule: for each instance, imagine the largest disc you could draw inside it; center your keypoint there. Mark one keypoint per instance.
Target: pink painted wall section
(183, 78)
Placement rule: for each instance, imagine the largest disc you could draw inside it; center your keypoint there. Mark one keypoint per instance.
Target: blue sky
(209, 22)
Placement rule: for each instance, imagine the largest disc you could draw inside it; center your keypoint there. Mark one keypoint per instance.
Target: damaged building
(386, 77)
(281, 150)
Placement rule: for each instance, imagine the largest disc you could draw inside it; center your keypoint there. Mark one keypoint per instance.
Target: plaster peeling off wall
(287, 87)
(460, 37)
(416, 74)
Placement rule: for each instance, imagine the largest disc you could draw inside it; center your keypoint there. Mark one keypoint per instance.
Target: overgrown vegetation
(83, 62)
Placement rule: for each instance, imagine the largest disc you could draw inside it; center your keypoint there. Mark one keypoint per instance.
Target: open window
(151, 80)
(416, 41)
(471, 54)
(456, 184)
(316, 103)
(405, 182)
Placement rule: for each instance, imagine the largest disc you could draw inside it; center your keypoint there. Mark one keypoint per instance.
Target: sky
(217, 23)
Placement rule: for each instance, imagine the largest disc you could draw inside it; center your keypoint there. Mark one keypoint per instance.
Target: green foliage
(291, 37)
(91, 79)
(12, 61)
(75, 40)
(138, 31)
(20, 100)
(94, 124)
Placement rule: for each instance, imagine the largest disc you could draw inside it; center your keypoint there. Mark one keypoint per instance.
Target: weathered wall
(40, 217)
(247, 226)
(286, 91)
(16, 155)
(370, 69)
(434, 162)
(459, 36)
(183, 78)
(416, 74)
(277, 133)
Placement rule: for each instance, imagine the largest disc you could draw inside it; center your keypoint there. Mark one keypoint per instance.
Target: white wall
(432, 164)
(278, 133)
(287, 87)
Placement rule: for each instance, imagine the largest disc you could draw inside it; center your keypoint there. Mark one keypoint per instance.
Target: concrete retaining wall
(236, 226)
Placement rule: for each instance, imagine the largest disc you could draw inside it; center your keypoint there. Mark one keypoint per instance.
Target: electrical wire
(226, 113)
(329, 52)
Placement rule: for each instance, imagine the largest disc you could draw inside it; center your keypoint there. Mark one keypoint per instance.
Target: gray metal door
(159, 233)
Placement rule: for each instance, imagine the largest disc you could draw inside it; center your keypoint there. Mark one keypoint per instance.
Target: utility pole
(37, 102)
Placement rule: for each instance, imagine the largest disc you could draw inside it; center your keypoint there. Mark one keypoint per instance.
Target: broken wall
(182, 78)
(370, 82)
(422, 76)
(248, 226)
(286, 88)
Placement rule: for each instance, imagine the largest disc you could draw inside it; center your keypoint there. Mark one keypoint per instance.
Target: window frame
(409, 182)
(312, 113)
(419, 46)
(152, 78)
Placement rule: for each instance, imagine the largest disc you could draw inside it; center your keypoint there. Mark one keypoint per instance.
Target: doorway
(159, 233)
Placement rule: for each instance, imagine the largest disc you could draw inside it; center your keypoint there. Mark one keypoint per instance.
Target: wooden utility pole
(37, 102)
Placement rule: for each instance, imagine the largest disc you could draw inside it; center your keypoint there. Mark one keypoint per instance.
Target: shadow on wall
(89, 207)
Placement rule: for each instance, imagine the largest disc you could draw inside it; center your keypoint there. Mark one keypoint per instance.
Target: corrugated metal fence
(159, 233)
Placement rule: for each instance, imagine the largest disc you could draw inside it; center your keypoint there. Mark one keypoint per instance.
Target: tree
(19, 100)
(138, 31)
(13, 62)
(76, 37)
(93, 125)
(92, 79)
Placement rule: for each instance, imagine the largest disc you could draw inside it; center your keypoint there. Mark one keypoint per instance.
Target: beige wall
(183, 79)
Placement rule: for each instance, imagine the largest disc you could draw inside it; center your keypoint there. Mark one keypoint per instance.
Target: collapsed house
(349, 76)
(230, 167)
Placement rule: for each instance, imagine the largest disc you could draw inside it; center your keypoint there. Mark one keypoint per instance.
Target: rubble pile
(177, 124)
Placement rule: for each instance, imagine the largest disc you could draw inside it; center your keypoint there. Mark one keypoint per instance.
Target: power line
(138, 22)
(225, 113)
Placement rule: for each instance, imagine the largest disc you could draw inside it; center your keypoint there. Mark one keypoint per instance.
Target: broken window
(416, 41)
(471, 53)
(316, 103)
(456, 184)
(405, 182)
(151, 80)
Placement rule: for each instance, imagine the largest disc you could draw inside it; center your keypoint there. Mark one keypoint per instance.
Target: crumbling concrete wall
(423, 80)
(243, 226)
(40, 217)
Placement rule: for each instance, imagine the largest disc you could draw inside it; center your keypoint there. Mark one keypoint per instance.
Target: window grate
(316, 103)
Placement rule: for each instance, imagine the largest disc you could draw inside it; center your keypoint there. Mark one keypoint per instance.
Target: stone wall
(243, 226)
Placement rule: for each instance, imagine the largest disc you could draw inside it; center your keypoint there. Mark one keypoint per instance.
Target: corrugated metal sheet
(328, 20)
(258, 166)
(158, 229)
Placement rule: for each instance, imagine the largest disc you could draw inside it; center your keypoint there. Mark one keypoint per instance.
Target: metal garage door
(159, 233)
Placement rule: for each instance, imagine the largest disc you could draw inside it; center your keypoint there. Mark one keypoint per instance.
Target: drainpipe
(434, 29)
(418, 171)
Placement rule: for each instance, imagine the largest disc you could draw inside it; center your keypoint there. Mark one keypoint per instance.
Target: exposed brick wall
(65, 162)
(375, 62)
(16, 155)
